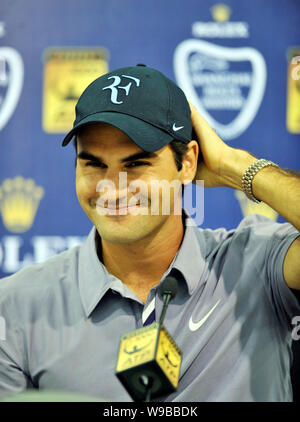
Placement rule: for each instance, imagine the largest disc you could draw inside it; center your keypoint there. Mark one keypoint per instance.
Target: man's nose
(114, 184)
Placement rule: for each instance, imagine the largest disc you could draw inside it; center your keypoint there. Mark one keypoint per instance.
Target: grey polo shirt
(232, 318)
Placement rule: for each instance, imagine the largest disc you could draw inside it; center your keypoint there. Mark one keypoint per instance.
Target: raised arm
(225, 166)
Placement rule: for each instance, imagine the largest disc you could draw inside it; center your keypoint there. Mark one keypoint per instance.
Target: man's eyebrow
(84, 155)
(138, 155)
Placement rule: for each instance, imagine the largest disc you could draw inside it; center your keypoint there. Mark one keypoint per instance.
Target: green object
(142, 102)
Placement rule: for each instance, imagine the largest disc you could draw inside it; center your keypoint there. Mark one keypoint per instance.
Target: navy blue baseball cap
(140, 101)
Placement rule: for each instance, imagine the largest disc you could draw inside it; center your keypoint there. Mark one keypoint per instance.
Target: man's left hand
(222, 165)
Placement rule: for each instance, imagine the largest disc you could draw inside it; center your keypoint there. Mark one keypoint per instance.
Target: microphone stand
(143, 366)
(148, 383)
(144, 379)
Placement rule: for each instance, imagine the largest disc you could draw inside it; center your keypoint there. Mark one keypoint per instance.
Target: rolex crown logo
(249, 207)
(19, 201)
(220, 12)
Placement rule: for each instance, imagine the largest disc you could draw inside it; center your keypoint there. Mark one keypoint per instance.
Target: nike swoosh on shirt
(175, 128)
(193, 326)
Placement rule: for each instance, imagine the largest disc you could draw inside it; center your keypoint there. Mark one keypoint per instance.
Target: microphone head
(169, 286)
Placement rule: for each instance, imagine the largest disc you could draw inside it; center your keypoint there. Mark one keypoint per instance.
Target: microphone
(168, 290)
(149, 360)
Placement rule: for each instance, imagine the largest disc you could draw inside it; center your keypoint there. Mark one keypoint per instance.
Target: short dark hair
(179, 149)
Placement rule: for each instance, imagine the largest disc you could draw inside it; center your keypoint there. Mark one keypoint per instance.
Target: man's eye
(137, 164)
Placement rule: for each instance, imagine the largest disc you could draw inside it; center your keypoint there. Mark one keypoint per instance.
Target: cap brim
(146, 136)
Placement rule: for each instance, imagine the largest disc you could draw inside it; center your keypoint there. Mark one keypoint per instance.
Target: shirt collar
(95, 280)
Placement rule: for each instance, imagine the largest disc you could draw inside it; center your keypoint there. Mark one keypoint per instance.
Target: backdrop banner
(238, 62)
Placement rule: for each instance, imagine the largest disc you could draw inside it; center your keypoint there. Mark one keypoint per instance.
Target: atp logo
(115, 86)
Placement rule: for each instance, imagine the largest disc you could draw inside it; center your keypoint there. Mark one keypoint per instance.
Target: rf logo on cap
(140, 101)
(116, 84)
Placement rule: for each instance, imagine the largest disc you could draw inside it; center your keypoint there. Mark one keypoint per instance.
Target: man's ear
(189, 163)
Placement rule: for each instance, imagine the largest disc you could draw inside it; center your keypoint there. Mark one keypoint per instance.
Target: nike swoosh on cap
(175, 128)
(193, 326)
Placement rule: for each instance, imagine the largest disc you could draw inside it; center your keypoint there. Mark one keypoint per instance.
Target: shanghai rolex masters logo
(19, 201)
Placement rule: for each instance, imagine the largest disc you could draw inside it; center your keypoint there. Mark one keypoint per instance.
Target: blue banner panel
(238, 62)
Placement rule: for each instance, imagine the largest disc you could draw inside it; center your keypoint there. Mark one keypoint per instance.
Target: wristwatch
(250, 173)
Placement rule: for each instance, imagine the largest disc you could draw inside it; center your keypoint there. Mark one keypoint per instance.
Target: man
(232, 315)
